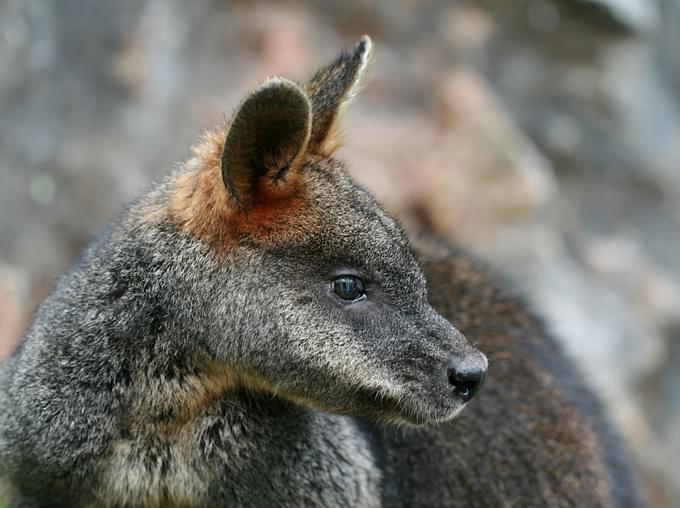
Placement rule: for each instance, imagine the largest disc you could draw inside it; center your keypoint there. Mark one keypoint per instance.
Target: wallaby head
(311, 289)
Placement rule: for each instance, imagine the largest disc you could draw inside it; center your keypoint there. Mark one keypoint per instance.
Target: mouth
(410, 409)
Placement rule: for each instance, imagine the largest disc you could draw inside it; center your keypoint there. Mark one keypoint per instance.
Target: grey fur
(172, 369)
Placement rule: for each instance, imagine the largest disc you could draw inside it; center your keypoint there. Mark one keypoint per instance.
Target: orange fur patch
(188, 399)
(185, 401)
(202, 206)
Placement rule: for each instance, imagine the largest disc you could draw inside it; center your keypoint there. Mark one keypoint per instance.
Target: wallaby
(258, 331)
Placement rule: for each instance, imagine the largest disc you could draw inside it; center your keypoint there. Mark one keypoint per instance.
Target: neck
(247, 445)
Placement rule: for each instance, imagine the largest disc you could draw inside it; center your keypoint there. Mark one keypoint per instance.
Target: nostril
(466, 381)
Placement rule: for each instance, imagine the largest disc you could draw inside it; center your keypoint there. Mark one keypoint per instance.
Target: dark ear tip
(364, 42)
(280, 86)
(364, 45)
(275, 94)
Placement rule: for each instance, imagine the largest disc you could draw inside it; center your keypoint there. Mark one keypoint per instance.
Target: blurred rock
(14, 304)
(639, 15)
(490, 174)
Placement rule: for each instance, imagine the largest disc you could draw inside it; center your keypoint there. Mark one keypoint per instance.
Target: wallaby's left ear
(331, 89)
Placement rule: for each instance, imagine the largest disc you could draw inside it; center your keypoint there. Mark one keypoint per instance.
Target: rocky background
(541, 134)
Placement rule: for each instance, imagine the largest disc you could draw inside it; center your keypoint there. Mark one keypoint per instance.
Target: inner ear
(267, 139)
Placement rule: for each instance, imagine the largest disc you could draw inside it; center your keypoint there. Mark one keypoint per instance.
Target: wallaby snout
(464, 366)
(467, 374)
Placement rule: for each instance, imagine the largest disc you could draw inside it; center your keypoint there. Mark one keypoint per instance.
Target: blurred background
(543, 135)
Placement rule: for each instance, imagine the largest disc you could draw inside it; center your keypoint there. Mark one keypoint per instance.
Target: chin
(420, 415)
(404, 408)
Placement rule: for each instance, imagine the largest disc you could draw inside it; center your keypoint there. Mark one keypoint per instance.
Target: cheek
(397, 340)
(317, 319)
(378, 330)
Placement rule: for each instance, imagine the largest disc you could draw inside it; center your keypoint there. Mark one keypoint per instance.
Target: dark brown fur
(536, 427)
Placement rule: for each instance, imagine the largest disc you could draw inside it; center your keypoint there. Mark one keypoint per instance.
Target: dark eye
(349, 287)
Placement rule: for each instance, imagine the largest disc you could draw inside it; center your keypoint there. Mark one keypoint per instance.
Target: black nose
(465, 378)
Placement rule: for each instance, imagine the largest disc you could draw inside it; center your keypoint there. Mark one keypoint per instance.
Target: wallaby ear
(267, 139)
(332, 88)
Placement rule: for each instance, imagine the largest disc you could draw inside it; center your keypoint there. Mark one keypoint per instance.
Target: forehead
(325, 219)
(355, 229)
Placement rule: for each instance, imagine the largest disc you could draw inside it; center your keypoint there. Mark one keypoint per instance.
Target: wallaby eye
(349, 287)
